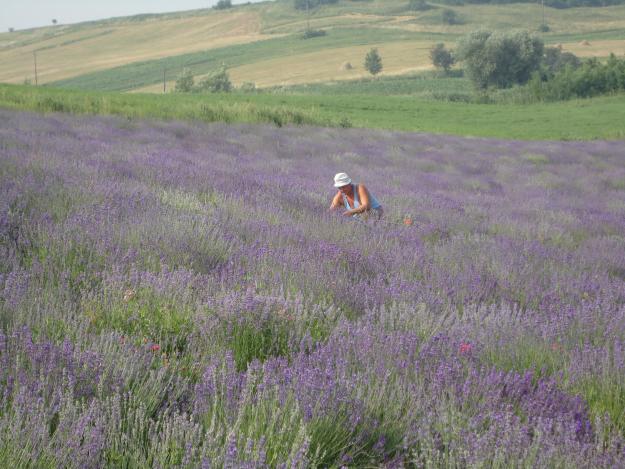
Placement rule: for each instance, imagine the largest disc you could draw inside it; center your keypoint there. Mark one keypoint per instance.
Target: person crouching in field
(355, 199)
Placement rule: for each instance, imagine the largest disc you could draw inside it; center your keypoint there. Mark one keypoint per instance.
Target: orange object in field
(408, 221)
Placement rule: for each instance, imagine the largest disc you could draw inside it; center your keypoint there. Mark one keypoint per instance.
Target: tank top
(373, 202)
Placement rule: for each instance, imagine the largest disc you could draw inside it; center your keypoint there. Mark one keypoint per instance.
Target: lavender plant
(176, 295)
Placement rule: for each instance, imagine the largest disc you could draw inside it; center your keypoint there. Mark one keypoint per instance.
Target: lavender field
(177, 295)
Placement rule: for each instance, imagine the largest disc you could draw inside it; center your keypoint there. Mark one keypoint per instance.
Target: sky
(23, 14)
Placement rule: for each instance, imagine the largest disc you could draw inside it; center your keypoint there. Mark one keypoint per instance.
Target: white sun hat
(341, 179)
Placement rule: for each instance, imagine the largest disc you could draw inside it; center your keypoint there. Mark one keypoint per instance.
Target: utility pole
(307, 15)
(164, 82)
(35, 56)
(543, 3)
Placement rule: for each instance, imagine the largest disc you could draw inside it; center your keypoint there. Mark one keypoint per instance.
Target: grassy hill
(260, 42)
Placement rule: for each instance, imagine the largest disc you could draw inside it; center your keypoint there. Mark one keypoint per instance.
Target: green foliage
(555, 61)
(555, 3)
(307, 4)
(310, 33)
(606, 396)
(223, 5)
(258, 341)
(373, 62)
(449, 16)
(217, 81)
(441, 57)
(247, 87)
(184, 82)
(565, 79)
(142, 314)
(500, 59)
(418, 5)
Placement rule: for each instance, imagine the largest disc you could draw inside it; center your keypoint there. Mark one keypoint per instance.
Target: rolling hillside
(261, 43)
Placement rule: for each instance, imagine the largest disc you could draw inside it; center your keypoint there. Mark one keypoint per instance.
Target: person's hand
(347, 213)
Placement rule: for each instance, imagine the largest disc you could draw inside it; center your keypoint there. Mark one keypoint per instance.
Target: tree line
(499, 60)
(550, 3)
(420, 4)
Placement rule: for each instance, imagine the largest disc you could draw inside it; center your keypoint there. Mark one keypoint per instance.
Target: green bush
(184, 82)
(592, 78)
(500, 59)
(310, 33)
(247, 87)
(307, 4)
(555, 61)
(373, 62)
(217, 81)
(223, 4)
(418, 5)
(450, 17)
(441, 57)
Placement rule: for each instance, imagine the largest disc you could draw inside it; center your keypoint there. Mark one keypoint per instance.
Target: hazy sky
(21, 14)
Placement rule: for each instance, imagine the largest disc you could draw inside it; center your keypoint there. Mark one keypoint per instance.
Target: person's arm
(337, 201)
(363, 195)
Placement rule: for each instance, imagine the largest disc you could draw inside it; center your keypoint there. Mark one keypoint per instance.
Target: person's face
(347, 189)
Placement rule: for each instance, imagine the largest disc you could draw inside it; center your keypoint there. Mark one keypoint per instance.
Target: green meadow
(597, 118)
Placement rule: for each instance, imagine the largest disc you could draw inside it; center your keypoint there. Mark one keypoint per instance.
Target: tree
(500, 59)
(308, 4)
(217, 81)
(555, 60)
(184, 82)
(54, 21)
(373, 62)
(441, 57)
(450, 17)
(418, 5)
(11, 30)
(223, 4)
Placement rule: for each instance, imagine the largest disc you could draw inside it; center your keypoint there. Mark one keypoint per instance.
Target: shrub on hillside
(223, 4)
(310, 33)
(373, 62)
(307, 4)
(442, 58)
(184, 82)
(555, 61)
(217, 81)
(550, 3)
(247, 87)
(500, 59)
(592, 78)
(419, 5)
(450, 17)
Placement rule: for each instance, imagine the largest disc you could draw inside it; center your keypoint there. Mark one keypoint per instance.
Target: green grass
(588, 119)
(428, 85)
(585, 119)
(172, 106)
